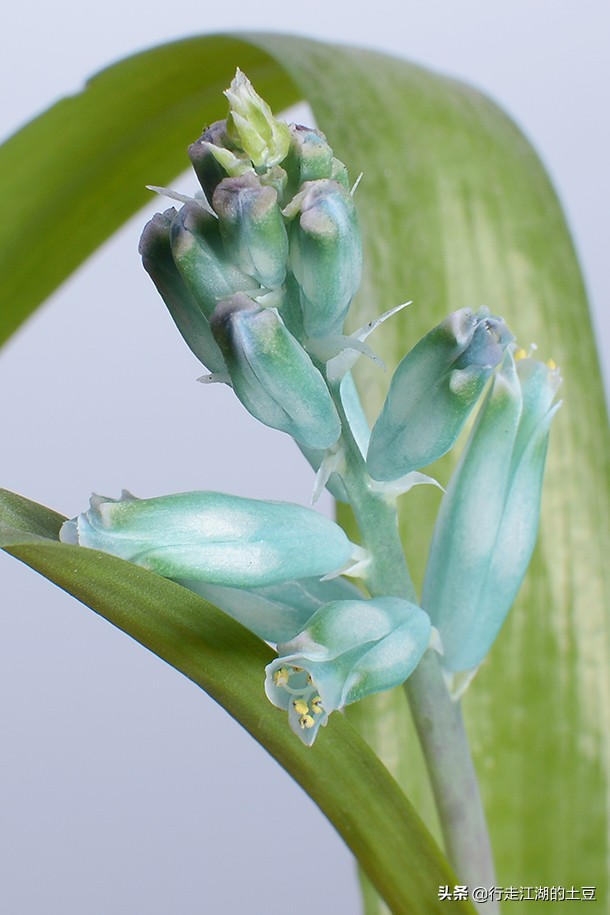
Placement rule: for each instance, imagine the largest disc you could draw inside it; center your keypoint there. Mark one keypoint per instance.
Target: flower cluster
(258, 271)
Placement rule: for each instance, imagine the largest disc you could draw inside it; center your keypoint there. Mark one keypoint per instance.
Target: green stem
(437, 718)
(440, 727)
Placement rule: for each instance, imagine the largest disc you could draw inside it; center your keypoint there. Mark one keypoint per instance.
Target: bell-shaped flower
(252, 228)
(433, 392)
(272, 374)
(488, 520)
(214, 537)
(348, 650)
(252, 126)
(186, 312)
(276, 612)
(325, 254)
(200, 256)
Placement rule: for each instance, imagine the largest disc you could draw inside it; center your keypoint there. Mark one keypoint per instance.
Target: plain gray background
(123, 789)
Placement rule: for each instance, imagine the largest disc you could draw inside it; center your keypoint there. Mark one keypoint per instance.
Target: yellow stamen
(280, 677)
(301, 707)
(551, 364)
(316, 705)
(519, 354)
(306, 721)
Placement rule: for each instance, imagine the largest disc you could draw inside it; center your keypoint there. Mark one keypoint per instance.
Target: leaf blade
(227, 661)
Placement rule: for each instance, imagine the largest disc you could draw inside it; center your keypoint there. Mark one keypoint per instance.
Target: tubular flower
(348, 650)
(272, 374)
(213, 537)
(433, 392)
(252, 228)
(325, 254)
(487, 524)
(188, 315)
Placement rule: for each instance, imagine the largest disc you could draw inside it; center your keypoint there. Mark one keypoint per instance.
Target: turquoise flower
(348, 650)
(214, 537)
(271, 373)
(433, 392)
(325, 254)
(252, 228)
(488, 520)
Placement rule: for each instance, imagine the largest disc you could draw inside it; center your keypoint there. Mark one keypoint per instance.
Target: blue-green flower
(252, 228)
(200, 256)
(348, 650)
(488, 519)
(185, 310)
(214, 537)
(325, 254)
(433, 392)
(272, 374)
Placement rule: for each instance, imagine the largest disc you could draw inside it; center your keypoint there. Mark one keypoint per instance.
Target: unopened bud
(433, 391)
(188, 316)
(325, 253)
(252, 228)
(272, 374)
(202, 260)
(252, 126)
(487, 523)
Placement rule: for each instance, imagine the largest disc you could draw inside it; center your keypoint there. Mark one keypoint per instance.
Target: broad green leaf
(456, 210)
(340, 772)
(75, 174)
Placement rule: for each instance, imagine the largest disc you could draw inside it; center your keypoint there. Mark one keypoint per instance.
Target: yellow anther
(300, 707)
(306, 721)
(280, 677)
(519, 354)
(551, 364)
(316, 705)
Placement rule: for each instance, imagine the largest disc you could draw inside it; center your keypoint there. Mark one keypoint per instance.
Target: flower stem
(440, 727)
(437, 718)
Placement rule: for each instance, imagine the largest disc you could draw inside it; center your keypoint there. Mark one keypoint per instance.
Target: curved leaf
(80, 170)
(456, 210)
(356, 792)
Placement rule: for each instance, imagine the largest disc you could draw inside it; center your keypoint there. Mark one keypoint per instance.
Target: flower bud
(433, 392)
(213, 537)
(272, 374)
(252, 228)
(275, 612)
(309, 157)
(488, 519)
(348, 650)
(200, 256)
(325, 254)
(252, 126)
(188, 316)
(205, 164)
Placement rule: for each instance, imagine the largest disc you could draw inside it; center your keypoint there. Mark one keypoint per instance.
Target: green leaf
(75, 174)
(340, 772)
(456, 211)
